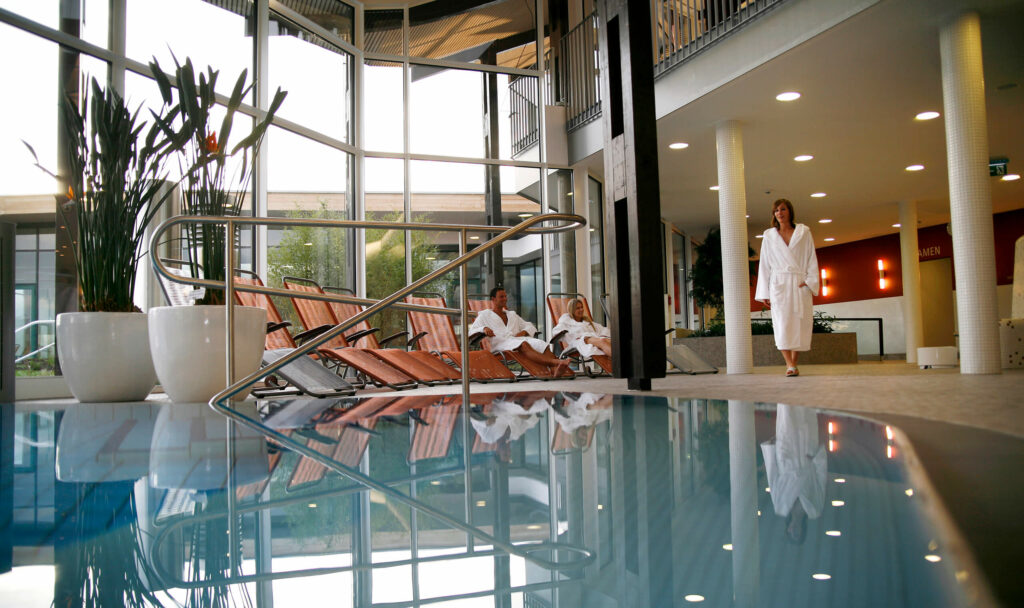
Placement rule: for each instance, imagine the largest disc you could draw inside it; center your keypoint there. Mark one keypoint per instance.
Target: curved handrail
(220, 401)
(40, 349)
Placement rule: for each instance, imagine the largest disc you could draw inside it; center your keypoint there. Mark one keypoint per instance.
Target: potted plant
(188, 342)
(116, 184)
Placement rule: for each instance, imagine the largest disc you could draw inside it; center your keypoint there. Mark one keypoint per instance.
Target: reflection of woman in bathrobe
(795, 462)
(577, 416)
(509, 416)
(786, 278)
(581, 333)
(508, 331)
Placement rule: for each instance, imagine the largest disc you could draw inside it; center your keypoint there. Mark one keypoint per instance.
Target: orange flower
(211, 143)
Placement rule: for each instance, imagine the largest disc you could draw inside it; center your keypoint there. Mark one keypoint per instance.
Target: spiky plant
(212, 185)
(114, 191)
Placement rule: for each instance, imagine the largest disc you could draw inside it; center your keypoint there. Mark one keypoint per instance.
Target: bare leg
(788, 356)
(604, 344)
(546, 358)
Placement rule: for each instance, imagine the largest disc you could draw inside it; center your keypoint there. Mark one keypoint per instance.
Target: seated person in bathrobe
(581, 333)
(796, 464)
(508, 331)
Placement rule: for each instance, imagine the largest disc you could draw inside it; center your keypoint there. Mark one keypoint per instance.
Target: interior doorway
(937, 303)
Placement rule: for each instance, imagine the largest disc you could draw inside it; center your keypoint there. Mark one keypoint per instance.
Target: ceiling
(862, 82)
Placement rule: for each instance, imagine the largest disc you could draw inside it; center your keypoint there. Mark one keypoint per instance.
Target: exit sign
(997, 167)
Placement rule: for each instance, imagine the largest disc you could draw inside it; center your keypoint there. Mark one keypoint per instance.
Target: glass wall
(595, 205)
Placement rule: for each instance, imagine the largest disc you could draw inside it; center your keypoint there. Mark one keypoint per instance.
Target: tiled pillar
(732, 213)
(970, 196)
(910, 262)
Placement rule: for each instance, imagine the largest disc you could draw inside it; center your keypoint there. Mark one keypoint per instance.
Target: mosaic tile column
(911, 264)
(732, 214)
(970, 196)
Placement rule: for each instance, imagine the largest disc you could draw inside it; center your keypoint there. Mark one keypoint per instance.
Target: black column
(632, 205)
(492, 189)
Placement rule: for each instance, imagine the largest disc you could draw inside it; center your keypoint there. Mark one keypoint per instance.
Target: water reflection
(408, 499)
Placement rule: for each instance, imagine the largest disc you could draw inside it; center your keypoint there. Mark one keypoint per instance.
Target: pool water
(530, 499)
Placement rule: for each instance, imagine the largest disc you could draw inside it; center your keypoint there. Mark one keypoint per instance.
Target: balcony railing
(681, 28)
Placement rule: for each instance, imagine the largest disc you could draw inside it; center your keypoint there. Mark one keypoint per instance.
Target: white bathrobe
(782, 269)
(576, 333)
(509, 416)
(505, 334)
(588, 410)
(796, 462)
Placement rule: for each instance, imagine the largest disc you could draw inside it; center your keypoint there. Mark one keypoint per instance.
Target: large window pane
(46, 12)
(595, 205)
(202, 31)
(382, 111)
(446, 114)
(319, 94)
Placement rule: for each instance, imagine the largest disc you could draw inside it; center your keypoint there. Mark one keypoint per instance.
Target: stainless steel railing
(221, 401)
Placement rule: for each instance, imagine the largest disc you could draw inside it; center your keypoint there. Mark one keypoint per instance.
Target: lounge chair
(558, 305)
(383, 366)
(305, 374)
(435, 333)
(529, 367)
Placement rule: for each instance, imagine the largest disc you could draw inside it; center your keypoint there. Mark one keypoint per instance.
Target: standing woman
(786, 279)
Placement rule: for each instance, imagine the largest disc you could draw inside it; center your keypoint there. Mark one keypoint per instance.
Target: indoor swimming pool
(526, 499)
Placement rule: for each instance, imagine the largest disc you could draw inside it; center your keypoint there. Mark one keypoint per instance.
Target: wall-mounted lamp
(824, 283)
(882, 283)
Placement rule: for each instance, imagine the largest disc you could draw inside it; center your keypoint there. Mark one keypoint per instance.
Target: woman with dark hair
(787, 277)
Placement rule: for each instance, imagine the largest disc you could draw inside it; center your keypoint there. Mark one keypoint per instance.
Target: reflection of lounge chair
(438, 336)
(433, 434)
(305, 374)
(558, 305)
(445, 374)
(366, 362)
(576, 416)
(529, 367)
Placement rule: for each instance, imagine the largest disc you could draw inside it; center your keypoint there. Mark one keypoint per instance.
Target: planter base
(104, 356)
(825, 348)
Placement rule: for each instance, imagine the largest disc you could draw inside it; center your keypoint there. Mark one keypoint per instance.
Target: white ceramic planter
(189, 449)
(101, 442)
(189, 348)
(104, 356)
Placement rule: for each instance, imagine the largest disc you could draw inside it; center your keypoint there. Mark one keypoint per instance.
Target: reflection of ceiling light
(481, 503)
(788, 96)
(829, 239)
(915, 168)
(427, 258)
(838, 503)
(311, 505)
(748, 215)
(592, 229)
(727, 546)
(926, 116)
(693, 597)
(825, 220)
(474, 238)
(818, 195)
(679, 145)
(840, 480)
(567, 194)
(599, 507)
(1010, 177)
(760, 236)
(909, 492)
(803, 158)
(713, 188)
(520, 215)
(307, 245)
(529, 527)
(433, 483)
(833, 533)
(821, 577)
(933, 558)
(897, 225)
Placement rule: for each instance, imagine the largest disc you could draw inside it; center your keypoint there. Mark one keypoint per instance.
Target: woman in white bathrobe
(583, 334)
(787, 278)
(508, 331)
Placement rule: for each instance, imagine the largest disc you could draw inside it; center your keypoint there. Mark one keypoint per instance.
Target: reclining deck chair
(435, 333)
(529, 367)
(558, 305)
(343, 311)
(384, 366)
(305, 374)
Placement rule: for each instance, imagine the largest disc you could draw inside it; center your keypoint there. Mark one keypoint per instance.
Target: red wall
(853, 267)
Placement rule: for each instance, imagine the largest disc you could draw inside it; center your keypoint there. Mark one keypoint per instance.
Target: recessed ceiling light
(748, 215)
(474, 238)
(926, 116)
(520, 215)
(933, 558)
(679, 145)
(897, 225)
(803, 158)
(829, 239)
(1010, 177)
(788, 96)
(915, 168)
(818, 195)
(825, 220)
(713, 188)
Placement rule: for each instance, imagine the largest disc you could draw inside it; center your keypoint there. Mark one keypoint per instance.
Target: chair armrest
(557, 337)
(352, 337)
(393, 337)
(412, 342)
(474, 339)
(310, 333)
(272, 327)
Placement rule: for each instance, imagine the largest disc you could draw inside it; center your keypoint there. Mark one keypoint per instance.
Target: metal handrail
(221, 400)
(38, 350)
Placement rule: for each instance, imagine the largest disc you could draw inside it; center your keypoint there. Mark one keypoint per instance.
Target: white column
(970, 196)
(910, 262)
(732, 211)
(743, 504)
